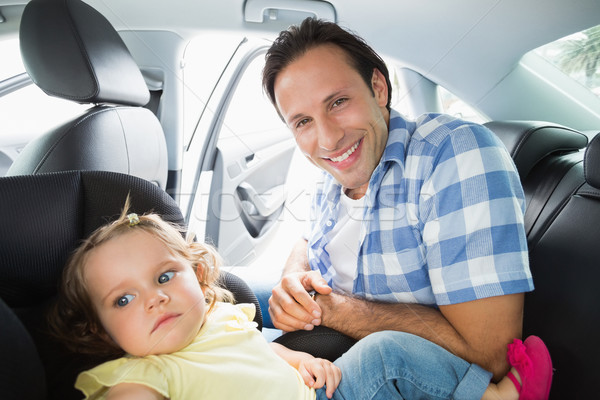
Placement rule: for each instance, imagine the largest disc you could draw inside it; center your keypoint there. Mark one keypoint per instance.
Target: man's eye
(301, 123)
(124, 300)
(338, 102)
(165, 277)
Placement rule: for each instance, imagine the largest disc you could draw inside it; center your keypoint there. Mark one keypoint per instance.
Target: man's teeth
(346, 154)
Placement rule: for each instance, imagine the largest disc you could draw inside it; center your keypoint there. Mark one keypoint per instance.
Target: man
(438, 247)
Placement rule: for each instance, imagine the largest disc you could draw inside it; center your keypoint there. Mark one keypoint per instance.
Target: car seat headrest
(45, 216)
(528, 142)
(71, 51)
(591, 163)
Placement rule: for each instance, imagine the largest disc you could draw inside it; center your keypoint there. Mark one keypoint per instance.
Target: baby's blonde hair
(74, 320)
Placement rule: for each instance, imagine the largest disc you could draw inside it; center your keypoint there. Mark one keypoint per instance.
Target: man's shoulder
(435, 128)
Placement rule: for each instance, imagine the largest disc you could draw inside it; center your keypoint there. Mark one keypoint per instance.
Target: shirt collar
(400, 131)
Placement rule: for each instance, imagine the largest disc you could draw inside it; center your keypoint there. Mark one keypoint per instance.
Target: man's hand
(291, 306)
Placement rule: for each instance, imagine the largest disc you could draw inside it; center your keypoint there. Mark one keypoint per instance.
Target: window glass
(399, 101)
(25, 112)
(453, 105)
(29, 112)
(201, 76)
(250, 110)
(11, 64)
(412, 95)
(578, 56)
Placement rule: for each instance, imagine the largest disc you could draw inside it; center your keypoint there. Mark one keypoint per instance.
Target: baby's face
(148, 300)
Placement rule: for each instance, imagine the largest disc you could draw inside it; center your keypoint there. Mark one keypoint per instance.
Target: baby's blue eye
(124, 300)
(165, 277)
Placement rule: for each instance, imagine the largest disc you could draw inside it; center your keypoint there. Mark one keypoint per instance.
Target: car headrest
(71, 51)
(591, 162)
(528, 142)
(45, 216)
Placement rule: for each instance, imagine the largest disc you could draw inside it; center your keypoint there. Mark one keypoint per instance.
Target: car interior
(75, 177)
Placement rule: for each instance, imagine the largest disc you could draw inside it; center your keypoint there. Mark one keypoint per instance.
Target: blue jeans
(396, 365)
(262, 291)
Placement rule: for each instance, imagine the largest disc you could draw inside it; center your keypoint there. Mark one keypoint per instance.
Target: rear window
(578, 56)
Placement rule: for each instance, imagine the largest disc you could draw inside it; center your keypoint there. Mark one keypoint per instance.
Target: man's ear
(380, 88)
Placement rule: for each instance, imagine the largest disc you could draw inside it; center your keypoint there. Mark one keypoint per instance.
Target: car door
(241, 153)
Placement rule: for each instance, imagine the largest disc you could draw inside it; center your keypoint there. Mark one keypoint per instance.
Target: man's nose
(329, 135)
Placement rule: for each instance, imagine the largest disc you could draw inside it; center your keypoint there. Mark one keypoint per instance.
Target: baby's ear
(93, 328)
(106, 338)
(203, 287)
(96, 329)
(201, 274)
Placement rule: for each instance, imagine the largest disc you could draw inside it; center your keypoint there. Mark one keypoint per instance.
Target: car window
(455, 106)
(250, 111)
(413, 94)
(11, 64)
(577, 56)
(25, 110)
(29, 112)
(201, 76)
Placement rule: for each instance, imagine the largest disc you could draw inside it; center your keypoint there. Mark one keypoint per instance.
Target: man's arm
(477, 331)
(298, 259)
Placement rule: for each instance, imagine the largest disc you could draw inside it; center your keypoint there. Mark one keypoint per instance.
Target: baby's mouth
(164, 319)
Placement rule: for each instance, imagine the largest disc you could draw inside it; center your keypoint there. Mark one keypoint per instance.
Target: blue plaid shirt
(443, 217)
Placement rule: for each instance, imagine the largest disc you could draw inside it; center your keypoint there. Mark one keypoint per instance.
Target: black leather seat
(528, 142)
(562, 221)
(543, 153)
(565, 263)
(43, 218)
(71, 51)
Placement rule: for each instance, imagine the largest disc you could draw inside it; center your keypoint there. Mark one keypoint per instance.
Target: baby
(138, 291)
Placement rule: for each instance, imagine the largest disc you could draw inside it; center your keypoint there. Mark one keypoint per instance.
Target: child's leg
(396, 365)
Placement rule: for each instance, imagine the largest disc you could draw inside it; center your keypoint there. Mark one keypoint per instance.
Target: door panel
(247, 198)
(241, 188)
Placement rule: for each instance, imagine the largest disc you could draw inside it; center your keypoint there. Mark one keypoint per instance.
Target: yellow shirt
(229, 359)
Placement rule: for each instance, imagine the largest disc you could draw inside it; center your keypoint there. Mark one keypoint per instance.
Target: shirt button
(329, 223)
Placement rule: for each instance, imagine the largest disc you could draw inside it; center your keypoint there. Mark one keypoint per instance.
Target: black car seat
(528, 142)
(71, 51)
(44, 218)
(543, 153)
(564, 254)
(562, 221)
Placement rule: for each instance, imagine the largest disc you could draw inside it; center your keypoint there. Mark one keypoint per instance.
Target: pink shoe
(532, 361)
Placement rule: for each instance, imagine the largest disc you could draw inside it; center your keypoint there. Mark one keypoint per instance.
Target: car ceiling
(439, 39)
(444, 41)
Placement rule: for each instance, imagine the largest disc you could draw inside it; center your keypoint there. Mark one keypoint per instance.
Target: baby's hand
(318, 372)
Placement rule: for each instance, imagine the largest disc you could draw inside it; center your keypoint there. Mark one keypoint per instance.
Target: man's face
(339, 123)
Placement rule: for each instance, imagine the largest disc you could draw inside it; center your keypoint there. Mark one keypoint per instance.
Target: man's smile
(346, 154)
